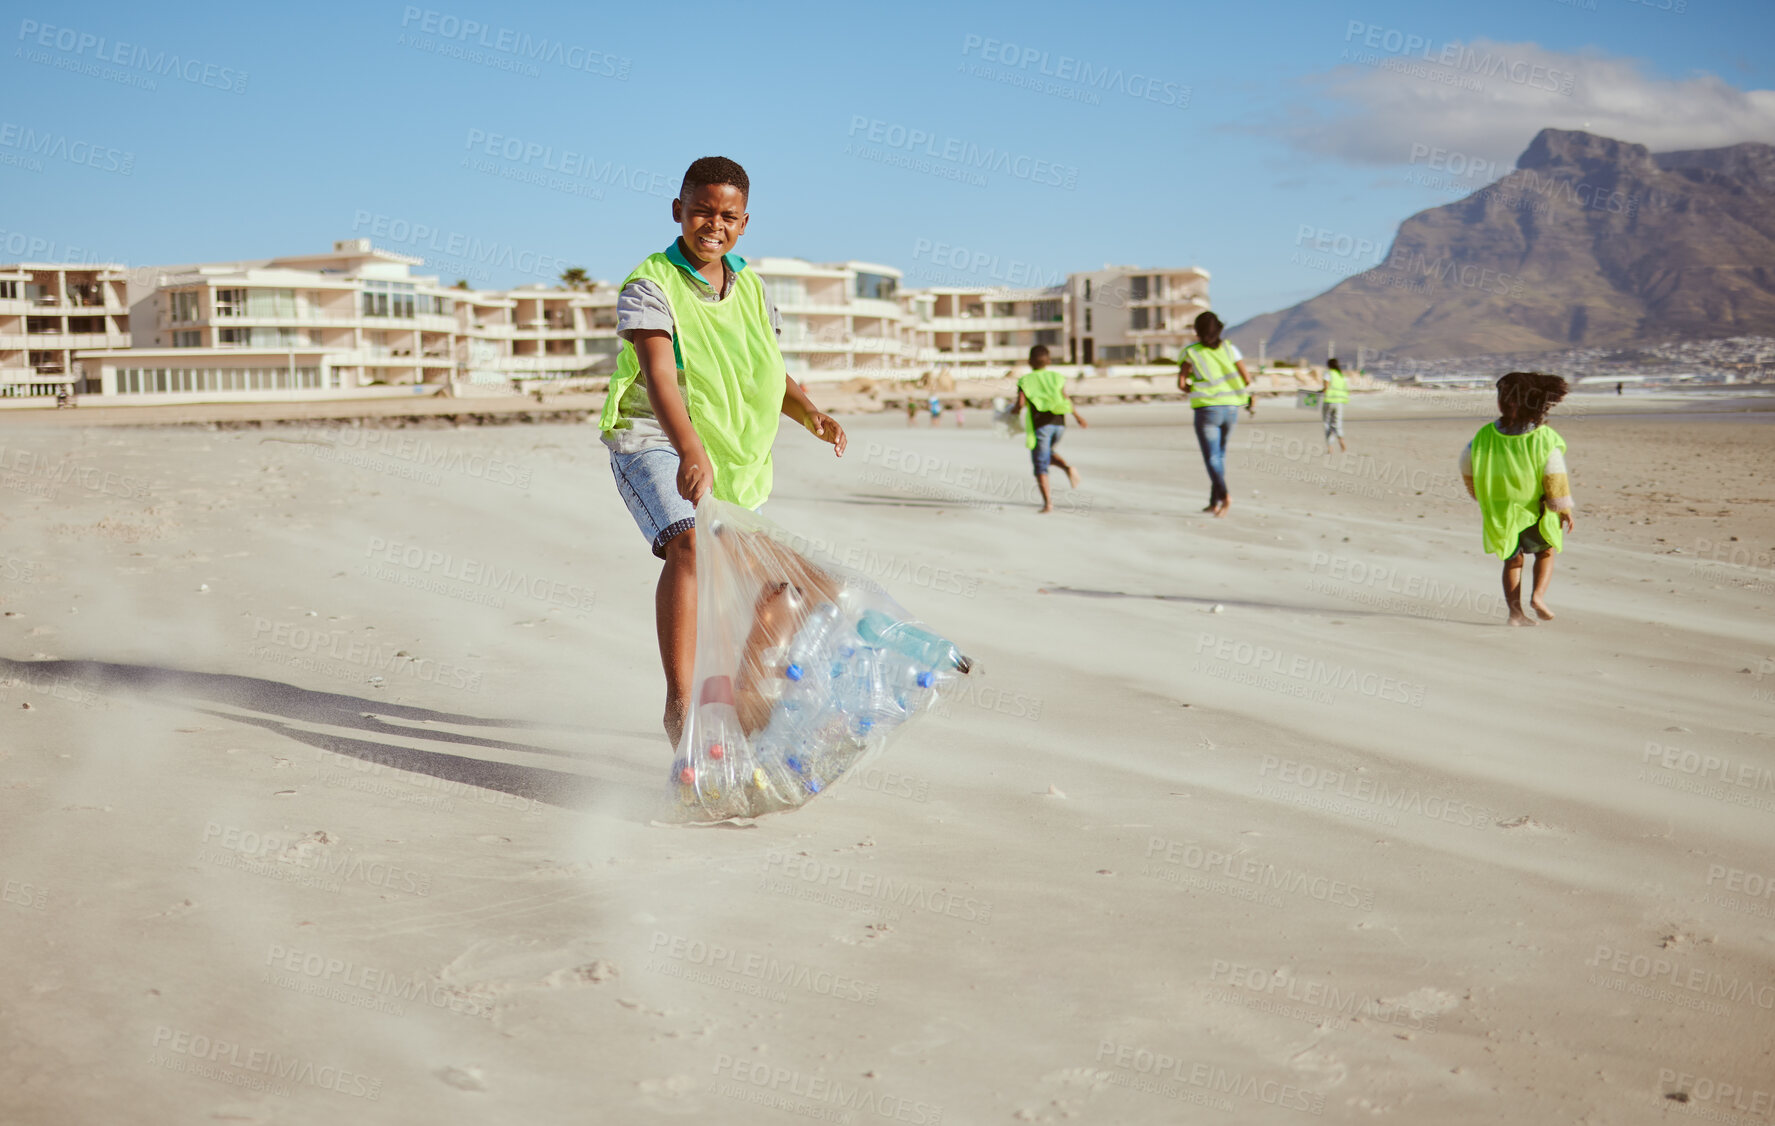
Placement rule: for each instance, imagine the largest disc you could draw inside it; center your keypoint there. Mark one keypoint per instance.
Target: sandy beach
(333, 776)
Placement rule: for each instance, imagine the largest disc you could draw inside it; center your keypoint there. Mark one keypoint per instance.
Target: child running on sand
(1515, 468)
(696, 311)
(1041, 396)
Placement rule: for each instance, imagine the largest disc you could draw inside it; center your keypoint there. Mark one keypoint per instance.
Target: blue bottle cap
(796, 765)
(926, 679)
(794, 672)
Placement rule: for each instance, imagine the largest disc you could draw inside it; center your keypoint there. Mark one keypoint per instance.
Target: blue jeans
(1214, 430)
(1043, 453)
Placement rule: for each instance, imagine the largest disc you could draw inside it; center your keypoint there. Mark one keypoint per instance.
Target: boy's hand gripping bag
(803, 671)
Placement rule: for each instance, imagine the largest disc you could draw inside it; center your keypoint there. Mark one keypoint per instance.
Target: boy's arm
(659, 369)
(821, 425)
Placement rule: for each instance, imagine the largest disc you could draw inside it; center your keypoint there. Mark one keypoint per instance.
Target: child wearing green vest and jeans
(1331, 408)
(1041, 396)
(1212, 373)
(1515, 468)
(696, 312)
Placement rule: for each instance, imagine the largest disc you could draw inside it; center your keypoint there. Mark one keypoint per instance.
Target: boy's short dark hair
(1039, 352)
(707, 170)
(1527, 396)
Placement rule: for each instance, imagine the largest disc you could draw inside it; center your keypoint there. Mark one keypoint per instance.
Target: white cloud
(1487, 100)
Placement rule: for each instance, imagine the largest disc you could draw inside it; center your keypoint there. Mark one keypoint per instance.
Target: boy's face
(712, 218)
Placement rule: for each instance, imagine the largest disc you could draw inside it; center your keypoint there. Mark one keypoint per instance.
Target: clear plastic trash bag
(803, 671)
(1006, 418)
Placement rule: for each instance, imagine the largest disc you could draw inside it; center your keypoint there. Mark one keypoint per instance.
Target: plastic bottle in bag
(719, 754)
(928, 649)
(813, 640)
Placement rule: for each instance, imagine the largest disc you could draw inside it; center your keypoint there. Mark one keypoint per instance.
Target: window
(876, 287)
(86, 324)
(233, 337)
(1136, 319)
(231, 303)
(1137, 289)
(272, 303)
(1048, 336)
(1087, 317)
(8, 291)
(389, 299)
(1087, 289)
(1045, 311)
(192, 338)
(785, 291)
(184, 306)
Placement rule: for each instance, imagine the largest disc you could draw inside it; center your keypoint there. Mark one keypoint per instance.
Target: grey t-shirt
(642, 306)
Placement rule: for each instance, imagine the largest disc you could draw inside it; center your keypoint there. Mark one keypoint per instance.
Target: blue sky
(978, 145)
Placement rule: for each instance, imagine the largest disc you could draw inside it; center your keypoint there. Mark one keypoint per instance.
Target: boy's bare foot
(1072, 476)
(1044, 511)
(1220, 509)
(676, 712)
(1210, 508)
(1518, 618)
(1541, 610)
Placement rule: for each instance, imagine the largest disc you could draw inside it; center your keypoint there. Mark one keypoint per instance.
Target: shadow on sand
(277, 702)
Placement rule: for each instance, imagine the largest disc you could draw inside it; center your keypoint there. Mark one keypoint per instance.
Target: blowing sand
(331, 766)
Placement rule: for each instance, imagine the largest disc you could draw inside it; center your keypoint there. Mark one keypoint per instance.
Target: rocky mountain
(1590, 242)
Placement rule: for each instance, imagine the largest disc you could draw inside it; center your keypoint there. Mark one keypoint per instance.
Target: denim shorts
(1045, 438)
(648, 482)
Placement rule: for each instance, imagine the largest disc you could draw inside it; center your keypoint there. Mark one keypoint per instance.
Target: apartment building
(839, 319)
(1133, 315)
(979, 331)
(353, 320)
(50, 311)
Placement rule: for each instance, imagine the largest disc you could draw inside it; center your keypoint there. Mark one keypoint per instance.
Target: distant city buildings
(357, 320)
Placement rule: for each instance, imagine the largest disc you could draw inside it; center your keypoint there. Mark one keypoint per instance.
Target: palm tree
(573, 277)
(461, 283)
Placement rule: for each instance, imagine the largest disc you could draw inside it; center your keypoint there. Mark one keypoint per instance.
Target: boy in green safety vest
(1515, 468)
(1041, 396)
(1335, 393)
(695, 312)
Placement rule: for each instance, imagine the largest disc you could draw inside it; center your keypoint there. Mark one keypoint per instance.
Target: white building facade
(1133, 315)
(357, 320)
(48, 312)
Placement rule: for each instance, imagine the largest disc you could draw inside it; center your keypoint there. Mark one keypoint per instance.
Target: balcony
(985, 324)
(522, 364)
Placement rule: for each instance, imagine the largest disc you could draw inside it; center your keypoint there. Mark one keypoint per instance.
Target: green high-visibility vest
(1507, 476)
(1335, 390)
(733, 374)
(1216, 382)
(1044, 389)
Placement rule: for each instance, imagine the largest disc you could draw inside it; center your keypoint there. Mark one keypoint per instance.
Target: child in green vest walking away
(1041, 396)
(698, 391)
(1515, 468)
